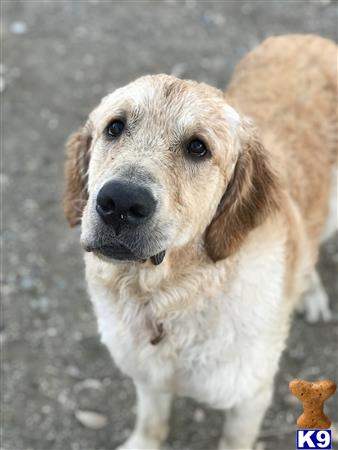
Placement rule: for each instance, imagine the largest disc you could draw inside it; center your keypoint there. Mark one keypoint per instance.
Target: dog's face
(152, 167)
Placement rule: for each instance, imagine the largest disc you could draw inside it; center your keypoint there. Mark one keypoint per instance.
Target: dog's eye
(197, 148)
(115, 128)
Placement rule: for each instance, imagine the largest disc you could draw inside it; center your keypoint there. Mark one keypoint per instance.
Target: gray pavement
(59, 58)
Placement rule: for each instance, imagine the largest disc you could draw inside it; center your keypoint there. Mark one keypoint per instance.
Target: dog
(201, 213)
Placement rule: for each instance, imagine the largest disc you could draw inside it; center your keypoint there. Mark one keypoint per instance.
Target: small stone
(4, 179)
(27, 282)
(51, 332)
(91, 419)
(290, 417)
(77, 336)
(65, 400)
(46, 409)
(40, 304)
(214, 18)
(53, 123)
(18, 27)
(89, 383)
(73, 371)
(2, 84)
(199, 415)
(45, 113)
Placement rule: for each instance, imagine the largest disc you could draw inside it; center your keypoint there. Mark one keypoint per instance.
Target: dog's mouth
(116, 251)
(120, 252)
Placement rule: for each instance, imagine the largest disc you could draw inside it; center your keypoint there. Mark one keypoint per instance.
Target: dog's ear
(76, 195)
(251, 195)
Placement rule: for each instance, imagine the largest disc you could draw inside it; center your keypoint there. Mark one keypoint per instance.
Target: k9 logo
(317, 439)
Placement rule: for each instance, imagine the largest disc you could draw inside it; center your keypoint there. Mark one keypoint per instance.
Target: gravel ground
(59, 58)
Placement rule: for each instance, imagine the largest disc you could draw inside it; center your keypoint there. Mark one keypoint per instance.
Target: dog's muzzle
(121, 204)
(124, 209)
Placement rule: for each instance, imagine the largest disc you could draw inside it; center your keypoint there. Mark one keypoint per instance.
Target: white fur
(222, 349)
(136, 93)
(232, 116)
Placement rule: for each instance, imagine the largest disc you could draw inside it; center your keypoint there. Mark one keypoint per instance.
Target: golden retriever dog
(202, 212)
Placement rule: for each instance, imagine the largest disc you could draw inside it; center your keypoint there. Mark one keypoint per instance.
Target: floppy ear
(251, 195)
(76, 195)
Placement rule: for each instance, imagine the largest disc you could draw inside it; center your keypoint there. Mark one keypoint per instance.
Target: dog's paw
(137, 442)
(225, 445)
(315, 305)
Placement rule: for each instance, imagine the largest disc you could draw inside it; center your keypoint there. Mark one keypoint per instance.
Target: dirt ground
(59, 58)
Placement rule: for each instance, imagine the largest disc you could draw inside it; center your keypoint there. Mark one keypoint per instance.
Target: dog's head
(161, 162)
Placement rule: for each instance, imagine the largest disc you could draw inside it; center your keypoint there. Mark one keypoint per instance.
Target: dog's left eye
(115, 128)
(197, 148)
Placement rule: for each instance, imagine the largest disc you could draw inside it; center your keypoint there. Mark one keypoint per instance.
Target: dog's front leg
(151, 428)
(242, 423)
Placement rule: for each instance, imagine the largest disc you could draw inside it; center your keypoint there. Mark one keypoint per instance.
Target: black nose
(120, 203)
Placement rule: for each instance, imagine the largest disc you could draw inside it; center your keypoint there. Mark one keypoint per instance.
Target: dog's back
(288, 85)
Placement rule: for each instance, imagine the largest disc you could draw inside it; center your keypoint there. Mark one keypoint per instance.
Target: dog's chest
(216, 351)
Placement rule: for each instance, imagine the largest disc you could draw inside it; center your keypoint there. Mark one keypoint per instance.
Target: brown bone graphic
(313, 396)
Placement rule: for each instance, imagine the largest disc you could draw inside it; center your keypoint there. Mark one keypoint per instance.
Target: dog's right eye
(196, 148)
(115, 128)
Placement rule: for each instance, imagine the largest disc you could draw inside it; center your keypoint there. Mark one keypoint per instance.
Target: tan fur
(293, 101)
(75, 196)
(250, 197)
